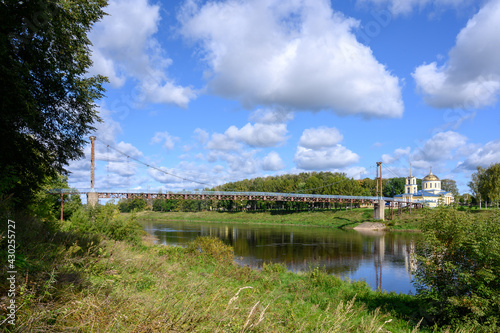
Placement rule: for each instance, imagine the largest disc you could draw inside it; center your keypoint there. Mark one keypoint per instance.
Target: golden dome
(430, 177)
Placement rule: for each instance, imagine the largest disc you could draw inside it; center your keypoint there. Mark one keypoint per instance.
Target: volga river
(382, 259)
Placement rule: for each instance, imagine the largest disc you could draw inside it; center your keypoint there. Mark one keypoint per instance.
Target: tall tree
(394, 186)
(475, 184)
(450, 185)
(48, 99)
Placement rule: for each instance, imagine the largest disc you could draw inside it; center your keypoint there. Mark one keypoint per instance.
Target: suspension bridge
(379, 202)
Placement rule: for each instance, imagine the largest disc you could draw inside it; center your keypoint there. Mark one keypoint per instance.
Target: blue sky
(219, 91)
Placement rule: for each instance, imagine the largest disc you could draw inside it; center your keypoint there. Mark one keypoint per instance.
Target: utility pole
(380, 206)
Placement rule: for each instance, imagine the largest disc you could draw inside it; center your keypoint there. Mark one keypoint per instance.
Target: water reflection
(382, 259)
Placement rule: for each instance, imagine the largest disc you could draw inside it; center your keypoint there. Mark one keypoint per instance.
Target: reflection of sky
(379, 259)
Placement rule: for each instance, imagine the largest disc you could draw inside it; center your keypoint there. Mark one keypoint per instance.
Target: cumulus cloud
(124, 47)
(442, 146)
(167, 139)
(272, 162)
(271, 116)
(407, 6)
(258, 135)
(296, 54)
(483, 156)
(222, 142)
(470, 79)
(315, 138)
(396, 155)
(323, 159)
(312, 154)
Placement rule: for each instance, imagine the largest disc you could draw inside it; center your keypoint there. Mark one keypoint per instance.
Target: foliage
(394, 186)
(106, 220)
(449, 185)
(47, 105)
(213, 247)
(134, 204)
(458, 275)
(485, 183)
(47, 206)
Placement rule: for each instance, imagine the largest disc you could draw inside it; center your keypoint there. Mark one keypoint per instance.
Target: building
(431, 192)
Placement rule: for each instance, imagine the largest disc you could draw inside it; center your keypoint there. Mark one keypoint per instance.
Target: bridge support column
(92, 199)
(379, 210)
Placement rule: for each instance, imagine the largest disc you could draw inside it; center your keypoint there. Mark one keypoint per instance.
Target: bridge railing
(235, 193)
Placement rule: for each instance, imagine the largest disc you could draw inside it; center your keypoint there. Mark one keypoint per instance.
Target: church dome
(430, 177)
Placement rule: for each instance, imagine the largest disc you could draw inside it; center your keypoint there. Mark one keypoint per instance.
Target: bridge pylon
(92, 196)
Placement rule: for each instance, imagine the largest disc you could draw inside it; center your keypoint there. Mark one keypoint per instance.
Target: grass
(69, 281)
(335, 219)
(151, 288)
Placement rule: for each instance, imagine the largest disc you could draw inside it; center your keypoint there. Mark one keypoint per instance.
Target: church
(431, 193)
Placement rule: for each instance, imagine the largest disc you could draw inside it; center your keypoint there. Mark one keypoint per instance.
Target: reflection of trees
(299, 248)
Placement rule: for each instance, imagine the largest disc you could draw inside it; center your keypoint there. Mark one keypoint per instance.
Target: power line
(151, 166)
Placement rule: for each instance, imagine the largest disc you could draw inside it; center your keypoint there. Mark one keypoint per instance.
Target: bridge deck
(230, 195)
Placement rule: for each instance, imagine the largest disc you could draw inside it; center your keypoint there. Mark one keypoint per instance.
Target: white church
(431, 192)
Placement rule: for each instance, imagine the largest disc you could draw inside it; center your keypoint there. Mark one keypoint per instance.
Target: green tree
(394, 186)
(458, 269)
(48, 100)
(449, 185)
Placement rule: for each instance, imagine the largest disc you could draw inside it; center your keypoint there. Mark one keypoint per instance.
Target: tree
(458, 268)
(449, 185)
(485, 183)
(48, 100)
(394, 186)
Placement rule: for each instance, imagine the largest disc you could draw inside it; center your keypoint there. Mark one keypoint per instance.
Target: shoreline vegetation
(98, 271)
(345, 219)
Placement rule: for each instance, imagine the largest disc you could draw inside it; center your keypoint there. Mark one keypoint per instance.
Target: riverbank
(345, 219)
(93, 274)
(150, 288)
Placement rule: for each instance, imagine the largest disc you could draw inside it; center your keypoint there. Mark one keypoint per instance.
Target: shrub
(458, 274)
(212, 247)
(108, 221)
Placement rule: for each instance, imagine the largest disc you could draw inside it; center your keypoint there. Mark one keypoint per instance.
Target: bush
(458, 274)
(108, 221)
(212, 247)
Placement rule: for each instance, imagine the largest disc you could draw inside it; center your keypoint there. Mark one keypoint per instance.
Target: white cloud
(442, 146)
(296, 54)
(222, 142)
(483, 156)
(124, 47)
(271, 116)
(201, 135)
(319, 149)
(167, 139)
(407, 6)
(272, 162)
(258, 135)
(315, 138)
(471, 77)
(324, 159)
(396, 156)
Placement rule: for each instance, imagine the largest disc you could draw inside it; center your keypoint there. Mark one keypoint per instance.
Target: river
(382, 259)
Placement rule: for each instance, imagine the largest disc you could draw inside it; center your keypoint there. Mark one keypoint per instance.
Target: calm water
(382, 259)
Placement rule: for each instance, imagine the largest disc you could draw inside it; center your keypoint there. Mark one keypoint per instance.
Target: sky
(202, 93)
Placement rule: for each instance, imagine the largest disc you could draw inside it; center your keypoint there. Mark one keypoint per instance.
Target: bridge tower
(380, 206)
(92, 196)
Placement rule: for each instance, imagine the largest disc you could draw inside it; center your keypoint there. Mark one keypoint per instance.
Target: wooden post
(62, 206)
